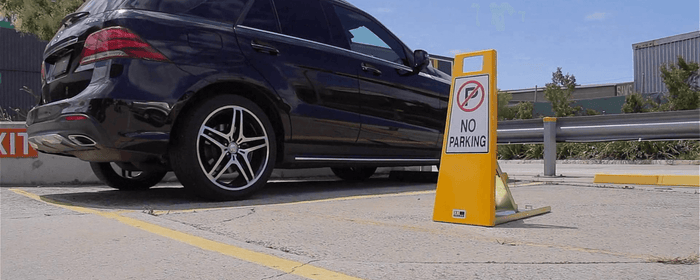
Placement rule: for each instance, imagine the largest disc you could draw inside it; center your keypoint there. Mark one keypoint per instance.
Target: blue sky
(590, 39)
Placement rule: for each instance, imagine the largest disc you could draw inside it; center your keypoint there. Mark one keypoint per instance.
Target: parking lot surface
(329, 229)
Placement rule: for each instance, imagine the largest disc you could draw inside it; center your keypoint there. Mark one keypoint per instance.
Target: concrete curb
(637, 179)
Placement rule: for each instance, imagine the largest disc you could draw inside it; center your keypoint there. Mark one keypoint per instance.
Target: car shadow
(173, 197)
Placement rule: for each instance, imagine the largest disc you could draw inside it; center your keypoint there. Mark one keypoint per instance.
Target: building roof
(577, 87)
(666, 40)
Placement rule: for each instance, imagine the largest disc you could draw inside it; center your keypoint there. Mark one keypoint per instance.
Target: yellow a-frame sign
(471, 188)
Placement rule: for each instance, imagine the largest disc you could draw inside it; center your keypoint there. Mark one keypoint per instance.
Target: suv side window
(304, 19)
(367, 37)
(336, 28)
(262, 16)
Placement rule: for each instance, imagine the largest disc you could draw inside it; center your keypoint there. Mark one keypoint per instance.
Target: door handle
(264, 48)
(369, 68)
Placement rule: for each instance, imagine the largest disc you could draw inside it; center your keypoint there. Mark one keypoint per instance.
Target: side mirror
(421, 60)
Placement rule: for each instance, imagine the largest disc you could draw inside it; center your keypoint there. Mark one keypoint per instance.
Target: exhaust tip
(82, 140)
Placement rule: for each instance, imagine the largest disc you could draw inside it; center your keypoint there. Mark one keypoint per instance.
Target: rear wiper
(73, 16)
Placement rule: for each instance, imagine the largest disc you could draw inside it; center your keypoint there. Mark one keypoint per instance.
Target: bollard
(550, 147)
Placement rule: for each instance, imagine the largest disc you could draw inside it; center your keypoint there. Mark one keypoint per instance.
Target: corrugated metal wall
(649, 56)
(20, 65)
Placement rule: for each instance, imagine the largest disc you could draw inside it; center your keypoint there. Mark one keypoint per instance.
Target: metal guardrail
(676, 125)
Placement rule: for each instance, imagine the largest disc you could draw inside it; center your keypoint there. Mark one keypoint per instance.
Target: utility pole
(535, 94)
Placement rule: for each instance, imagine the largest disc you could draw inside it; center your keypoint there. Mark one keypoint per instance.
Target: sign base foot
(509, 216)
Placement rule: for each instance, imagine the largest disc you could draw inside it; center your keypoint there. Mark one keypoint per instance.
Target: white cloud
(596, 16)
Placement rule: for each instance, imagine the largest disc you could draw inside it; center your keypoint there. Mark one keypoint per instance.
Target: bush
(523, 111)
(505, 112)
(617, 150)
(636, 103)
(520, 151)
(682, 96)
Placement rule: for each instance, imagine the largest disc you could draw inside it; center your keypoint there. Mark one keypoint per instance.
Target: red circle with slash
(463, 103)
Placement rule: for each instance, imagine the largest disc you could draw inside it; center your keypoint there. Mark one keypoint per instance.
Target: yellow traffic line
(636, 179)
(281, 264)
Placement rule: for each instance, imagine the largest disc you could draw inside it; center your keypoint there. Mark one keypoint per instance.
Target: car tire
(354, 173)
(225, 149)
(127, 180)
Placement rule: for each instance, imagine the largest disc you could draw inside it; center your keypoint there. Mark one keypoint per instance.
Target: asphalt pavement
(323, 228)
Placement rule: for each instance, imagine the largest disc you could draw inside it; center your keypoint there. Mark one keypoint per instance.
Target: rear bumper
(95, 141)
(126, 118)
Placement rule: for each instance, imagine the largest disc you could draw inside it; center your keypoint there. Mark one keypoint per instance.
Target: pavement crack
(291, 271)
(196, 226)
(527, 263)
(251, 212)
(47, 215)
(209, 228)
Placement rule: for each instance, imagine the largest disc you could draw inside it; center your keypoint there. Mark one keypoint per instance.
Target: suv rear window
(219, 10)
(98, 6)
(303, 19)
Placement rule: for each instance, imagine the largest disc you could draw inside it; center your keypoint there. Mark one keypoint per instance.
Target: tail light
(117, 42)
(76, 118)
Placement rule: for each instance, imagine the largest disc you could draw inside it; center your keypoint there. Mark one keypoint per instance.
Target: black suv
(223, 91)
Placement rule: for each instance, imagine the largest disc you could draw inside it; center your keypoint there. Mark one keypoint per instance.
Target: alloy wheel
(233, 148)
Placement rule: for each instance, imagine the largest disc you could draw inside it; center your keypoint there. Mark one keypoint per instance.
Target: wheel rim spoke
(237, 125)
(212, 140)
(245, 140)
(244, 168)
(252, 149)
(213, 169)
(223, 170)
(209, 129)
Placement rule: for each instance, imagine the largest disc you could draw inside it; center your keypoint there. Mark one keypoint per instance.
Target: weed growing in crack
(690, 260)
(506, 243)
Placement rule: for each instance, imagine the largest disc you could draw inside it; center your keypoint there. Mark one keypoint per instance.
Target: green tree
(636, 103)
(676, 77)
(39, 17)
(559, 92)
(505, 112)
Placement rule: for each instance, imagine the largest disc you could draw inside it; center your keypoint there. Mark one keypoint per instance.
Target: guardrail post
(550, 146)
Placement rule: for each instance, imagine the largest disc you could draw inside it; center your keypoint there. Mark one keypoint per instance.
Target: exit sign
(15, 143)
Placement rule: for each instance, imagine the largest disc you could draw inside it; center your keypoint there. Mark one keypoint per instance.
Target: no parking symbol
(470, 96)
(469, 117)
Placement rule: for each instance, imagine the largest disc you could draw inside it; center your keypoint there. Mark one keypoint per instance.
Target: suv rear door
(297, 57)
